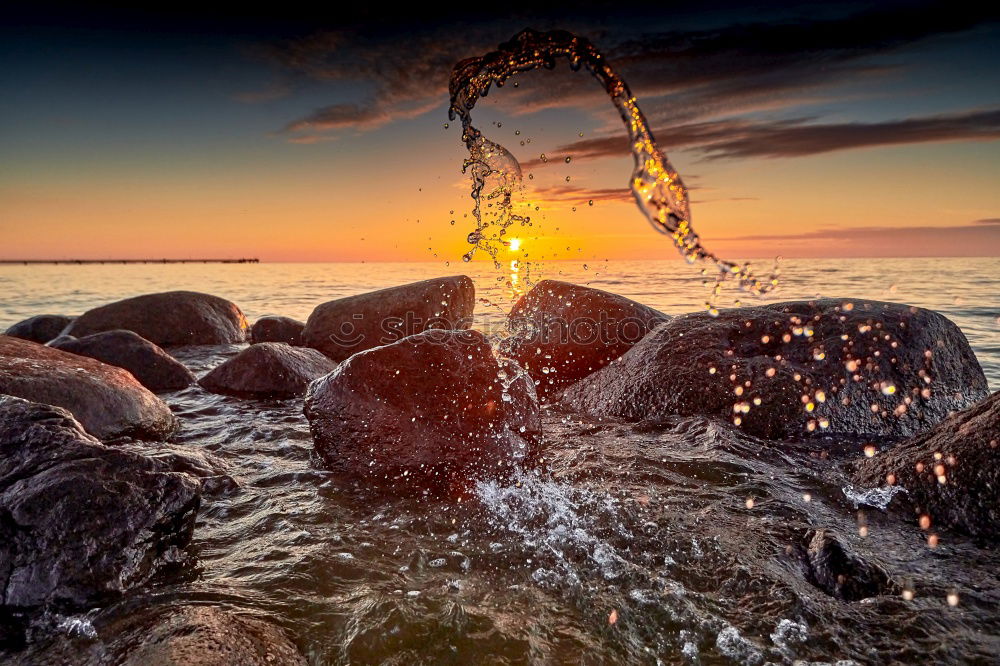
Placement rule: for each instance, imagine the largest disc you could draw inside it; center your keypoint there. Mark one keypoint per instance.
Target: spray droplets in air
(496, 174)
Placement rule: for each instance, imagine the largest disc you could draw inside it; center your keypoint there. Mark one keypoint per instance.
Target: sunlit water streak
(652, 525)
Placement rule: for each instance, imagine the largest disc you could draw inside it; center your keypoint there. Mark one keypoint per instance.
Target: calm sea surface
(965, 290)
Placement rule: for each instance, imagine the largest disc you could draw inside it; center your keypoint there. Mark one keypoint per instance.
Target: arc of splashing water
(655, 184)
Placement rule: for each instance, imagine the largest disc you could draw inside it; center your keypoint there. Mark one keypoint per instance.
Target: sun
(514, 244)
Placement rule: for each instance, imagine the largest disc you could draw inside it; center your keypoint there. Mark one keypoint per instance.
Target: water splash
(496, 174)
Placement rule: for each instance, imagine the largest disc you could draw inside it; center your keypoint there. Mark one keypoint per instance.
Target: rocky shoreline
(95, 501)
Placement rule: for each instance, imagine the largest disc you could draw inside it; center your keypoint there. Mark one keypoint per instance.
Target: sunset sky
(838, 130)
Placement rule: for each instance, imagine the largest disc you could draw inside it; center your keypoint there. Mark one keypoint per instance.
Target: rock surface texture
(40, 328)
(350, 325)
(277, 329)
(836, 366)
(562, 332)
(268, 369)
(81, 522)
(168, 319)
(108, 401)
(153, 367)
(951, 473)
(429, 410)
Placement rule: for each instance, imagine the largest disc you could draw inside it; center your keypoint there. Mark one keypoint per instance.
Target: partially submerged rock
(60, 340)
(562, 332)
(81, 522)
(108, 401)
(277, 329)
(843, 366)
(168, 319)
(40, 328)
(836, 570)
(349, 325)
(951, 473)
(173, 635)
(153, 367)
(268, 369)
(431, 410)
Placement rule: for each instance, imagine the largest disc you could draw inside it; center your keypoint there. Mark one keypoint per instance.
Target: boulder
(349, 325)
(951, 473)
(562, 332)
(168, 319)
(833, 568)
(268, 369)
(833, 366)
(108, 401)
(211, 636)
(81, 522)
(170, 635)
(277, 329)
(153, 367)
(40, 328)
(433, 411)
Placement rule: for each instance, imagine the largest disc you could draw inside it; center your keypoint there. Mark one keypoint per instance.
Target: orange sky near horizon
(147, 145)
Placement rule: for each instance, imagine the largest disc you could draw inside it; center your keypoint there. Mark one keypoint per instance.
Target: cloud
(753, 66)
(698, 73)
(966, 240)
(798, 137)
(574, 194)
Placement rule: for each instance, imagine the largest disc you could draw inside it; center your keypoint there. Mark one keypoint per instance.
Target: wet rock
(268, 369)
(81, 522)
(108, 401)
(60, 339)
(832, 366)
(277, 329)
(40, 328)
(563, 332)
(350, 325)
(171, 636)
(211, 472)
(209, 636)
(951, 473)
(153, 367)
(833, 568)
(428, 411)
(168, 319)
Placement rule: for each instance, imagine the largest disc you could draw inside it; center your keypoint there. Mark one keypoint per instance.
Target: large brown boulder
(153, 367)
(951, 473)
(836, 366)
(40, 328)
(349, 325)
(108, 401)
(268, 369)
(562, 332)
(168, 319)
(430, 411)
(273, 328)
(81, 522)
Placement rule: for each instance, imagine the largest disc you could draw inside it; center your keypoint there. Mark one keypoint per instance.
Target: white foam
(878, 498)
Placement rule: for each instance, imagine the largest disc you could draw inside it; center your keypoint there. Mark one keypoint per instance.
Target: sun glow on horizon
(514, 244)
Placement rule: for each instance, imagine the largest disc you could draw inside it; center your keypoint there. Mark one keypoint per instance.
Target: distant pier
(243, 260)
